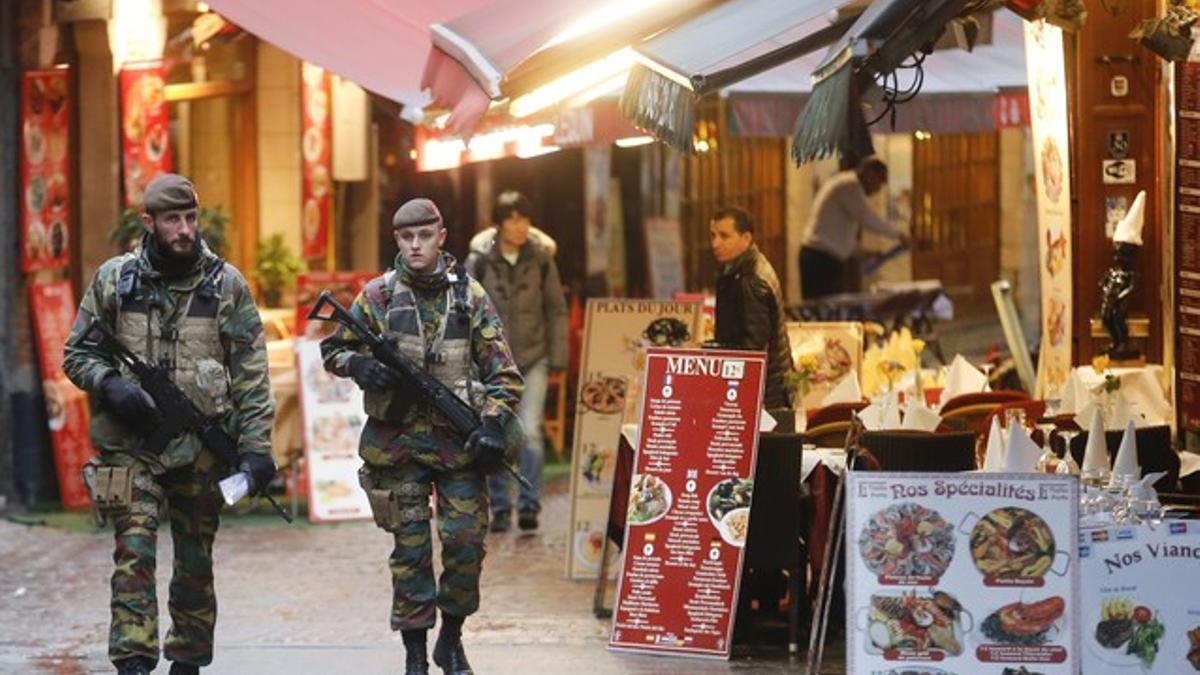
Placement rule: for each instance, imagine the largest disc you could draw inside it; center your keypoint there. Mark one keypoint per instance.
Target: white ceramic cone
(993, 460)
(1126, 463)
(1095, 456)
(1022, 454)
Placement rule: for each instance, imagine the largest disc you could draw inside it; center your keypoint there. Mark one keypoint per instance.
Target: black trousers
(822, 274)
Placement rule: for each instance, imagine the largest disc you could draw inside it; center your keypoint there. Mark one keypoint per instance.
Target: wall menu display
(317, 181)
(145, 128)
(689, 502)
(615, 334)
(45, 194)
(1187, 248)
(52, 306)
(961, 573)
(1135, 619)
(332, 412)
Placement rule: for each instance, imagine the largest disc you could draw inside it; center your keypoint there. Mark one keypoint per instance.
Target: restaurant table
(1143, 387)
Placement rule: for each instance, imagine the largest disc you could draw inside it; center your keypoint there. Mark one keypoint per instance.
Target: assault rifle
(462, 417)
(179, 413)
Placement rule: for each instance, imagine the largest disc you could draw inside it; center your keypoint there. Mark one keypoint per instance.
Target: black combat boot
(415, 660)
(448, 651)
(136, 665)
(178, 668)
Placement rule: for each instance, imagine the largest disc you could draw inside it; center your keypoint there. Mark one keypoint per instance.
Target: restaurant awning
(380, 45)
(514, 48)
(721, 46)
(883, 46)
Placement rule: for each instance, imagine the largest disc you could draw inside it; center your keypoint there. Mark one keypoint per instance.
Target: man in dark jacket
(750, 302)
(515, 263)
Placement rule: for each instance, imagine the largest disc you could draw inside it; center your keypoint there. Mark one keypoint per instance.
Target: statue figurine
(1116, 288)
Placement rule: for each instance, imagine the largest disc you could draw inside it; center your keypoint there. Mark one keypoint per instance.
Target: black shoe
(136, 665)
(501, 521)
(416, 662)
(448, 651)
(178, 668)
(527, 520)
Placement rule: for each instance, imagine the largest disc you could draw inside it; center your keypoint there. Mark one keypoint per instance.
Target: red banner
(317, 187)
(689, 502)
(145, 141)
(53, 308)
(45, 190)
(344, 286)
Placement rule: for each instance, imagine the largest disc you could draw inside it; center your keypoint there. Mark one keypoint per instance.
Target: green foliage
(214, 227)
(276, 268)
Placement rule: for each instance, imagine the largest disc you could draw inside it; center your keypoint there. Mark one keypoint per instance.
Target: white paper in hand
(234, 488)
(993, 461)
(1022, 454)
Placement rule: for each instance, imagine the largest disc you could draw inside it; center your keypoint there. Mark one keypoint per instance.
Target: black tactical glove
(371, 375)
(259, 469)
(129, 402)
(487, 446)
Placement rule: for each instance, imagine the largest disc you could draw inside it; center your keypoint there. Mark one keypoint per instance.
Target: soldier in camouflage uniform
(174, 303)
(443, 319)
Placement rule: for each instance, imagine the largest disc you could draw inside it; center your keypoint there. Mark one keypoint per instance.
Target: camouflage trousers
(400, 502)
(189, 499)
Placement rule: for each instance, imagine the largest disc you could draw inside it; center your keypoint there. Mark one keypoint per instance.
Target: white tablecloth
(1142, 387)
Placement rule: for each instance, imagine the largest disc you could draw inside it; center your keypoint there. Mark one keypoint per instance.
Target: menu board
(145, 142)
(317, 183)
(689, 501)
(827, 351)
(1046, 65)
(615, 335)
(1135, 619)
(1187, 249)
(961, 573)
(45, 174)
(331, 413)
(53, 308)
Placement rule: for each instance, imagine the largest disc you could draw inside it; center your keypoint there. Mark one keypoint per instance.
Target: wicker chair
(830, 435)
(837, 412)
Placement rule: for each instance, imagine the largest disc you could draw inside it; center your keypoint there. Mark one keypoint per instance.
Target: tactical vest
(188, 344)
(446, 356)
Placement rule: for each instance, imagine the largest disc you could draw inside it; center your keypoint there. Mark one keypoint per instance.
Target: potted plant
(277, 267)
(214, 227)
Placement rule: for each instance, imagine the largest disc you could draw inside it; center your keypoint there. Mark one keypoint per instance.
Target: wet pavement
(315, 599)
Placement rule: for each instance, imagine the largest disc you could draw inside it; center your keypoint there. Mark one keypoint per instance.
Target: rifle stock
(462, 417)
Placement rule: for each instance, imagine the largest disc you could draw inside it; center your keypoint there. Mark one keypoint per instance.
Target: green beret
(417, 212)
(170, 192)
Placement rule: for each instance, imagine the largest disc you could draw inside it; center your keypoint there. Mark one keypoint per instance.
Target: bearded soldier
(444, 321)
(176, 305)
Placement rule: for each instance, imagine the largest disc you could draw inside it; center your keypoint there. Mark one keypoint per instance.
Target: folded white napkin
(846, 391)
(1022, 454)
(919, 418)
(993, 461)
(890, 417)
(962, 378)
(766, 422)
(1126, 463)
(872, 417)
(1095, 457)
(1189, 463)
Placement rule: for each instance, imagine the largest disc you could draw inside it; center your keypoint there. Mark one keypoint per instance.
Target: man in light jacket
(515, 263)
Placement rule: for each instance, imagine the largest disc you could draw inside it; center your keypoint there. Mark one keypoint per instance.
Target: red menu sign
(145, 144)
(45, 192)
(689, 502)
(1187, 248)
(317, 183)
(343, 285)
(53, 309)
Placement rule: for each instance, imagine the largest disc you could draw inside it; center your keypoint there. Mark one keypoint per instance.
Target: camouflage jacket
(426, 439)
(250, 412)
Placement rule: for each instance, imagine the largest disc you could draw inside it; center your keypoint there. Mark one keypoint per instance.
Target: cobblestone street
(315, 599)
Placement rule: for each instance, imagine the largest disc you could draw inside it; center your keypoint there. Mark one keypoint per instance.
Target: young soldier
(175, 304)
(442, 319)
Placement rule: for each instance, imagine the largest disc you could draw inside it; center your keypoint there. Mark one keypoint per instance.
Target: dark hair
(871, 163)
(508, 203)
(742, 222)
